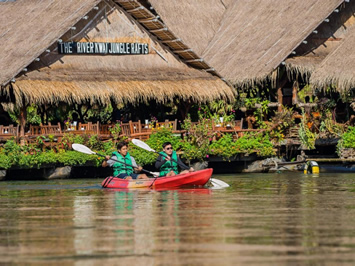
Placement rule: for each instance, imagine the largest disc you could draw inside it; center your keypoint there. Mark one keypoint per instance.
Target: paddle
(215, 182)
(146, 147)
(86, 150)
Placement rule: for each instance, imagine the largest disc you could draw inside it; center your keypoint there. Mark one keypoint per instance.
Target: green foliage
(224, 147)
(250, 102)
(160, 136)
(196, 142)
(307, 137)
(115, 131)
(5, 162)
(347, 140)
(155, 141)
(249, 143)
(74, 158)
(142, 156)
(95, 143)
(195, 146)
(307, 90)
(261, 112)
(32, 115)
(255, 142)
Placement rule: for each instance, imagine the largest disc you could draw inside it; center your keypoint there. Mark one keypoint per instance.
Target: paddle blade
(142, 145)
(82, 148)
(218, 183)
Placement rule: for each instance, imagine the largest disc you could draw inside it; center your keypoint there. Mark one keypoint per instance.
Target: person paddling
(123, 168)
(168, 162)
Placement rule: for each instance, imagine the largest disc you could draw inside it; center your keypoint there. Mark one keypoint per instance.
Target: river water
(262, 219)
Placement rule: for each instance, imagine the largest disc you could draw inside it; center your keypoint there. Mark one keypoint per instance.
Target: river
(262, 219)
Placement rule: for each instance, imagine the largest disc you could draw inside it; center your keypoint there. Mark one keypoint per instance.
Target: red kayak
(198, 178)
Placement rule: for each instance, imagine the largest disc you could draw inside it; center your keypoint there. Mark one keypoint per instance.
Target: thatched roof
(80, 78)
(196, 22)
(338, 68)
(28, 27)
(253, 37)
(320, 44)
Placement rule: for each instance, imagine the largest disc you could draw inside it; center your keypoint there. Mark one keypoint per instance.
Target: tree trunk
(23, 119)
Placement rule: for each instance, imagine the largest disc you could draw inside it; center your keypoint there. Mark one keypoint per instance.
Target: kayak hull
(198, 178)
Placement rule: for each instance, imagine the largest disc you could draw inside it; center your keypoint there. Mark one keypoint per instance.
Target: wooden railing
(9, 132)
(103, 131)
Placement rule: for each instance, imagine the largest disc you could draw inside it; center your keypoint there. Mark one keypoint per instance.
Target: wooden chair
(95, 127)
(50, 129)
(35, 131)
(104, 131)
(135, 127)
(126, 129)
(9, 132)
(138, 130)
(88, 128)
(166, 124)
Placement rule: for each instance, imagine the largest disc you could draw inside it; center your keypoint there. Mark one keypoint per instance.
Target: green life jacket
(119, 167)
(169, 165)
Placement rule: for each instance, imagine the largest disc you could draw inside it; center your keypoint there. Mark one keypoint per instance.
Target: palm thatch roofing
(250, 39)
(82, 78)
(327, 37)
(338, 68)
(28, 27)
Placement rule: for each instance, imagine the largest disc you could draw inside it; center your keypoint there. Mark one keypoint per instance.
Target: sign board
(103, 48)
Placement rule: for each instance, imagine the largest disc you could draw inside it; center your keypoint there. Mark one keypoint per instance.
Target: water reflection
(269, 219)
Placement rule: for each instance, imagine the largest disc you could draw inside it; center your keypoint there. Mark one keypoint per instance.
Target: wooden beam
(194, 60)
(332, 39)
(182, 51)
(147, 20)
(159, 30)
(135, 9)
(171, 41)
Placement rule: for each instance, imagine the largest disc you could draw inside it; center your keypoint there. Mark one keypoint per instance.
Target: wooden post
(279, 98)
(295, 88)
(280, 85)
(23, 119)
(184, 108)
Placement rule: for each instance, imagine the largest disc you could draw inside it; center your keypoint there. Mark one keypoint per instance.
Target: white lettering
(78, 48)
(91, 47)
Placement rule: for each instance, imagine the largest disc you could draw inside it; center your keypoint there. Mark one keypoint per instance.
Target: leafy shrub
(307, 138)
(224, 147)
(155, 141)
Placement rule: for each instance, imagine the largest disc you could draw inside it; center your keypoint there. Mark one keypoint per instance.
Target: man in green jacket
(122, 163)
(168, 162)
